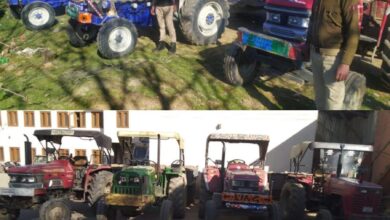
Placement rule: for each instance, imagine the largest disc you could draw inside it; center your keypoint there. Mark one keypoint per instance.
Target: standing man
(164, 10)
(333, 36)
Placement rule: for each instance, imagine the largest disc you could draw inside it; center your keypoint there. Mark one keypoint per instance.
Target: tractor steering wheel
(236, 161)
(177, 163)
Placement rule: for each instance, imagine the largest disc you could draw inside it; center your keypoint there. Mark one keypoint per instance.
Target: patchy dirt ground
(59, 76)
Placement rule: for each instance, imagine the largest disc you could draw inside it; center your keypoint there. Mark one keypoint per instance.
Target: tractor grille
(245, 186)
(25, 180)
(366, 203)
(129, 190)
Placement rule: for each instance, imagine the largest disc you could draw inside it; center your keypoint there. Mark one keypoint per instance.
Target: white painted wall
(285, 129)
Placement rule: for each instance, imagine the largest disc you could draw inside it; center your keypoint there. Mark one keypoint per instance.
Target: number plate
(246, 198)
(367, 209)
(277, 47)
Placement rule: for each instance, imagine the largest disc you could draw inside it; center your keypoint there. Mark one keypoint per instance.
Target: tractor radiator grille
(127, 190)
(366, 203)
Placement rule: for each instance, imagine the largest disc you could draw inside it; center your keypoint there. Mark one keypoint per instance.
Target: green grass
(65, 77)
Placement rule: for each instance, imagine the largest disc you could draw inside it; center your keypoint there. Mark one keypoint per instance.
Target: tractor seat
(238, 166)
(80, 161)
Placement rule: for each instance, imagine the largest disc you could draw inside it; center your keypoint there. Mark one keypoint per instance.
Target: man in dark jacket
(164, 10)
(334, 37)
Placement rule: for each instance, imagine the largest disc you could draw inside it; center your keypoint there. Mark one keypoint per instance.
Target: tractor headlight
(273, 17)
(237, 183)
(13, 179)
(122, 179)
(28, 179)
(298, 21)
(136, 180)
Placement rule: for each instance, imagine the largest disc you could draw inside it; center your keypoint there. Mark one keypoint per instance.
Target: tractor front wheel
(203, 21)
(210, 210)
(203, 196)
(104, 211)
(99, 185)
(15, 11)
(240, 65)
(166, 210)
(178, 196)
(55, 209)
(292, 201)
(38, 16)
(324, 214)
(117, 38)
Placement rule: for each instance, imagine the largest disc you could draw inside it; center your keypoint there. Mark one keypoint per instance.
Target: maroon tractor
(336, 186)
(48, 186)
(234, 184)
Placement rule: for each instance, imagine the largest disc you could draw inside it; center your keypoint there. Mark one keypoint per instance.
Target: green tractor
(143, 182)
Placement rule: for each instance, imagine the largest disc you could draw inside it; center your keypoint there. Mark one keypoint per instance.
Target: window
(79, 152)
(13, 118)
(29, 119)
(64, 152)
(96, 158)
(62, 120)
(14, 154)
(122, 119)
(79, 119)
(45, 119)
(33, 154)
(97, 119)
(1, 154)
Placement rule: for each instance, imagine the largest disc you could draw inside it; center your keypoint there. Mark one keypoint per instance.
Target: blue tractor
(36, 14)
(113, 23)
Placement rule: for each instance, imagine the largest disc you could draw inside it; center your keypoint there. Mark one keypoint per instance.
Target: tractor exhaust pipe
(27, 151)
(340, 161)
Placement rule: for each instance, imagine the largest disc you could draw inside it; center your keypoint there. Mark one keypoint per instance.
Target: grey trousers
(329, 93)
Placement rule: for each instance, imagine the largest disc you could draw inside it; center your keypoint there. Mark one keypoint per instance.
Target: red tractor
(50, 185)
(281, 41)
(234, 184)
(336, 186)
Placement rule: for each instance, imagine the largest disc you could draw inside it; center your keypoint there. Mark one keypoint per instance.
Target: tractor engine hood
(57, 166)
(290, 4)
(363, 184)
(242, 175)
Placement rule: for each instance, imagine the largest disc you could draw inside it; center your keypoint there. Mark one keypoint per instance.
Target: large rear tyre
(275, 212)
(324, 214)
(239, 65)
(100, 184)
(117, 38)
(178, 196)
(355, 89)
(166, 210)
(54, 209)
(292, 201)
(38, 16)
(203, 21)
(210, 210)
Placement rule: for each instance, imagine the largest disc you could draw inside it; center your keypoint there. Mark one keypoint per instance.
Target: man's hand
(153, 10)
(342, 72)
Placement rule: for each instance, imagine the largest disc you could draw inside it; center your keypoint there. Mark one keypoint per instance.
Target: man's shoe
(172, 48)
(160, 46)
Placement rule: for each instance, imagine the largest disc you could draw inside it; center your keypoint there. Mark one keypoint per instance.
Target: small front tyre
(210, 210)
(166, 210)
(38, 16)
(117, 37)
(15, 11)
(275, 212)
(55, 209)
(79, 34)
(240, 65)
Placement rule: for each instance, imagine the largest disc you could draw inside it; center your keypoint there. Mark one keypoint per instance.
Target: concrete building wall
(285, 129)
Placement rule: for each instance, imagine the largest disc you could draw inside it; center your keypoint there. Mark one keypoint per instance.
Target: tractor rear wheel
(239, 65)
(202, 22)
(55, 209)
(99, 185)
(324, 214)
(203, 196)
(274, 211)
(166, 210)
(38, 16)
(117, 38)
(178, 196)
(210, 210)
(292, 201)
